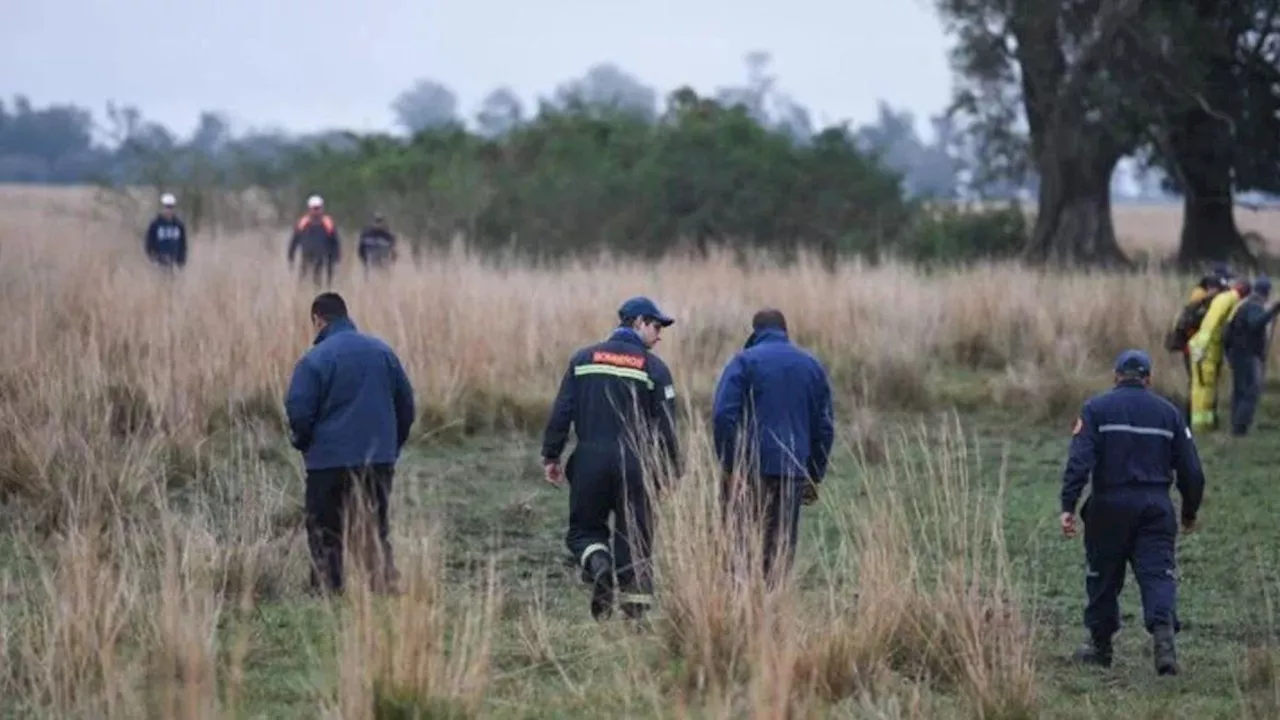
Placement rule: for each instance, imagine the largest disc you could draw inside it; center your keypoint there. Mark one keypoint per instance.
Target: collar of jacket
(334, 327)
(626, 334)
(1134, 383)
(766, 335)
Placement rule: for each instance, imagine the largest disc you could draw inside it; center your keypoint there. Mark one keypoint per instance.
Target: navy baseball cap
(643, 307)
(1133, 362)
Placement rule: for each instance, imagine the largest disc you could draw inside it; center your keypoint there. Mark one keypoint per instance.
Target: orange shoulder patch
(635, 362)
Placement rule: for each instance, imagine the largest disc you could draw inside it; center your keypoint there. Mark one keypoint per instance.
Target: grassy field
(153, 566)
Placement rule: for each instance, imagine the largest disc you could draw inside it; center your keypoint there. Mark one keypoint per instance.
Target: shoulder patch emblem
(1078, 426)
(669, 392)
(1188, 433)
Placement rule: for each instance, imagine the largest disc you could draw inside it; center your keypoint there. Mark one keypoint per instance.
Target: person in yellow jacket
(1206, 356)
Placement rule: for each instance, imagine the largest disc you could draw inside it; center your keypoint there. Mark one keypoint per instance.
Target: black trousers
(602, 483)
(1246, 390)
(316, 267)
(770, 504)
(333, 515)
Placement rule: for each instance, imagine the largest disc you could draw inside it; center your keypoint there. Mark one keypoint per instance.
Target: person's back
(1135, 440)
(776, 395)
(616, 406)
(362, 405)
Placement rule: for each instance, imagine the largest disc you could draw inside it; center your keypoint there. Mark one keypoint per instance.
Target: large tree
(1056, 66)
(1216, 128)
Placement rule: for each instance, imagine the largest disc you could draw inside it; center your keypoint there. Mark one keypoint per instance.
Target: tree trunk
(1203, 154)
(1073, 219)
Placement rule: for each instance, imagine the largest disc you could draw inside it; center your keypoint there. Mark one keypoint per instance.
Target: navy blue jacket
(349, 402)
(166, 241)
(1130, 438)
(613, 394)
(1246, 334)
(776, 396)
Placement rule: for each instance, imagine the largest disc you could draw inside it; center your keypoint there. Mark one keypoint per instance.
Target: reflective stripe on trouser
(602, 483)
(630, 598)
(591, 550)
(1204, 394)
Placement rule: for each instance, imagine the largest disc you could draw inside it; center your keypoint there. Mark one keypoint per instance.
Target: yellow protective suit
(1206, 359)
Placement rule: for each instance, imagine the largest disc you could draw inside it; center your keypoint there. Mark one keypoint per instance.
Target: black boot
(599, 572)
(636, 611)
(1094, 652)
(1164, 650)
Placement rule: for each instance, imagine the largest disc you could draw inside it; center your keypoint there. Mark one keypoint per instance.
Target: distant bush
(952, 234)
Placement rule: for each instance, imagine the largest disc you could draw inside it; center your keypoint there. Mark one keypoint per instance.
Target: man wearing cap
(316, 235)
(1206, 352)
(377, 246)
(619, 399)
(166, 240)
(773, 431)
(1246, 344)
(1126, 443)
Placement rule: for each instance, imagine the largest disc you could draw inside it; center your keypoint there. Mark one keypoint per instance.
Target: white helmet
(315, 201)
(167, 200)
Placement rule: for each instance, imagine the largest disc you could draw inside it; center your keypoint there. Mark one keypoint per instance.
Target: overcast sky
(326, 63)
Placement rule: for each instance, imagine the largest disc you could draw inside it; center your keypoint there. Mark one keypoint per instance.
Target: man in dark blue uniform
(773, 435)
(1130, 441)
(619, 399)
(166, 241)
(1246, 341)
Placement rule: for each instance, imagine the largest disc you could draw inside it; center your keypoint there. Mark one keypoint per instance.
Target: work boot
(599, 571)
(1094, 652)
(636, 613)
(1164, 651)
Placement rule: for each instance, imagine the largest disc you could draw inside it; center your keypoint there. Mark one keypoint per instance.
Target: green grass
(551, 660)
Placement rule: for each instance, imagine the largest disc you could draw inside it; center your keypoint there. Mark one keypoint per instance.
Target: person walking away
(166, 239)
(1206, 356)
(1246, 345)
(1128, 442)
(773, 429)
(1191, 316)
(377, 248)
(316, 236)
(350, 407)
(618, 397)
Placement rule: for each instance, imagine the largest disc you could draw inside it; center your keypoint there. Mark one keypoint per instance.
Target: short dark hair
(329, 305)
(769, 319)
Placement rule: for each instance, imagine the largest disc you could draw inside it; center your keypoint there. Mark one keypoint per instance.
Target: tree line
(1051, 97)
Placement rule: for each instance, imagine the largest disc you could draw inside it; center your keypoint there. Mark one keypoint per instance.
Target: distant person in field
(1207, 355)
(316, 236)
(1190, 318)
(1246, 341)
(619, 399)
(773, 429)
(166, 240)
(377, 247)
(1128, 444)
(350, 407)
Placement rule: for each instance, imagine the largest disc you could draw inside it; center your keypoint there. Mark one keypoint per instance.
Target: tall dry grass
(105, 355)
(140, 426)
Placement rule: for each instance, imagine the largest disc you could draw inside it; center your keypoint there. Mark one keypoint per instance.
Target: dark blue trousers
(1137, 528)
(603, 483)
